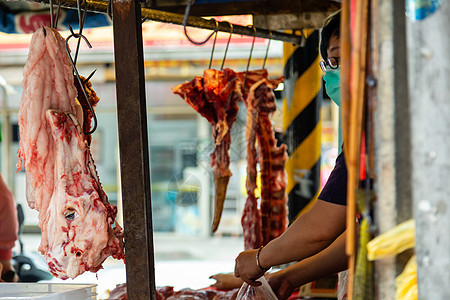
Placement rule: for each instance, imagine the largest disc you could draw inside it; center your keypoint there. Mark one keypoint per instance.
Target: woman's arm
(308, 235)
(327, 262)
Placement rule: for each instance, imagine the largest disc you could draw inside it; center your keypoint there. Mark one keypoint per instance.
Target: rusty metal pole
(133, 144)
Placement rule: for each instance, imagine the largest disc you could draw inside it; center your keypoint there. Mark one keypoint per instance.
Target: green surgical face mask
(332, 80)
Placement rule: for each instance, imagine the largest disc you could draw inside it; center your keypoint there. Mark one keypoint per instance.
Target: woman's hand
(246, 267)
(226, 281)
(281, 286)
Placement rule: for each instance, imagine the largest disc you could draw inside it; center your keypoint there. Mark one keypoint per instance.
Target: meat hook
(228, 44)
(267, 50)
(78, 36)
(250, 57)
(54, 19)
(51, 13)
(90, 76)
(213, 47)
(185, 20)
(81, 19)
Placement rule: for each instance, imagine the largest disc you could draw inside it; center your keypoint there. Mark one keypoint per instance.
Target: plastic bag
(262, 292)
(393, 242)
(406, 282)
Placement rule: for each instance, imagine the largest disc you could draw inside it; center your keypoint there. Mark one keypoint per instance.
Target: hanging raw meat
(80, 223)
(93, 100)
(168, 293)
(215, 96)
(77, 222)
(269, 221)
(47, 83)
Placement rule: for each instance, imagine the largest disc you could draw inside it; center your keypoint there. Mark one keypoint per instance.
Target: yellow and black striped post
(301, 123)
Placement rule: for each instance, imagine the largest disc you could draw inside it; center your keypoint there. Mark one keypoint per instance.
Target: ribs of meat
(215, 96)
(80, 223)
(269, 221)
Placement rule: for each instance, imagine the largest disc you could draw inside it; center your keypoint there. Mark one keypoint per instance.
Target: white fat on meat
(79, 222)
(47, 83)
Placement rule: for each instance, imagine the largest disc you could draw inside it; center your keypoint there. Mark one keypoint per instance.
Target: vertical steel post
(392, 135)
(133, 144)
(429, 78)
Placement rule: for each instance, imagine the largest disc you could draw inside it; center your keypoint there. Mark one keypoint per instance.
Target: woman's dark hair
(330, 28)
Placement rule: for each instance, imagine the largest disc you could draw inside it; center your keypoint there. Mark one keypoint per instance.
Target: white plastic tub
(48, 291)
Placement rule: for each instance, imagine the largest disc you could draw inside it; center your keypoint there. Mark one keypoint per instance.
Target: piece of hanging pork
(215, 96)
(48, 84)
(269, 221)
(80, 223)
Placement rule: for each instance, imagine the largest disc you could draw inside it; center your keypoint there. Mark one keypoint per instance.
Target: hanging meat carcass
(269, 221)
(47, 83)
(57, 174)
(215, 96)
(80, 224)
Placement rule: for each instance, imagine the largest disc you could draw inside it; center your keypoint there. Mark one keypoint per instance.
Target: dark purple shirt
(335, 190)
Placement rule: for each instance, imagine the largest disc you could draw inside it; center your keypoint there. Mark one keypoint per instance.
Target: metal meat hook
(214, 46)
(228, 44)
(267, 50)
(185, 21)
(78, 36)
(54, 19)
(250, 57)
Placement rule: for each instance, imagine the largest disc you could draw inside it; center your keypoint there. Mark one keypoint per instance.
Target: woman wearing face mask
(316, 239)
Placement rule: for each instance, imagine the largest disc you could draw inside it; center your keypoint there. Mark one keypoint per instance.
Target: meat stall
(131, 100)
(127, 17)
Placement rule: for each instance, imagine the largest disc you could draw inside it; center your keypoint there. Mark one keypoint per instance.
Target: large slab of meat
(47, 84)
(77, 222)
(261, 225)
(215, 96)
(80, 224)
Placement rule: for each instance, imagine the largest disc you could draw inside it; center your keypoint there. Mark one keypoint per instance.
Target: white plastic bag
(262, 292)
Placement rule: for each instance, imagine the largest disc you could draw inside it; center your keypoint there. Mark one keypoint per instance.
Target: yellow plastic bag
(392, 242)
(406, 282)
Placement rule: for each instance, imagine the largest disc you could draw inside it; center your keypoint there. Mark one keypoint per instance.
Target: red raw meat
(47, 84)
(215, 96)
(77, 222)
(92, 99)
(79, 230)
(261, 226)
